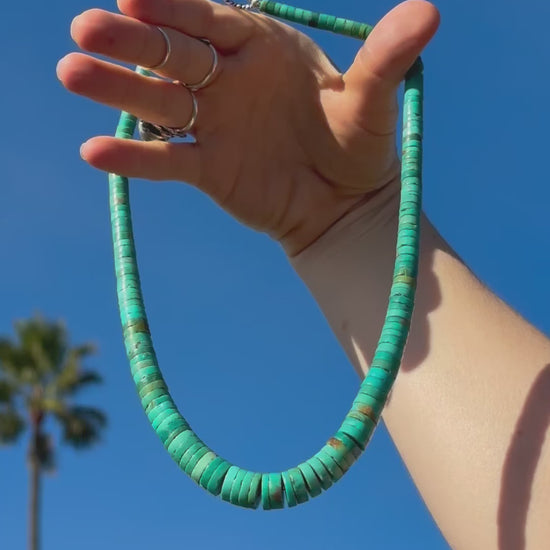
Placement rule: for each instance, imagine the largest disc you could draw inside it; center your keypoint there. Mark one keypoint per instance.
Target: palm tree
(39, 376)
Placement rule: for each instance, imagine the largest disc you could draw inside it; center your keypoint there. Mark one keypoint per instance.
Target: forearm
(471, 405)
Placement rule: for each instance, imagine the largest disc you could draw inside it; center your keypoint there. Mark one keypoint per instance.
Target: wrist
(349, 271)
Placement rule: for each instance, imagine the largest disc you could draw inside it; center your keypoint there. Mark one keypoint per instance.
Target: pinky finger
(148, 160)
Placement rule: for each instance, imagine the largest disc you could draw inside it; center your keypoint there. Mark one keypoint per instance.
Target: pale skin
(293, 148)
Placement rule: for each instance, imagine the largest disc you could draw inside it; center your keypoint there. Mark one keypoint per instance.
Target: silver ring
(168, 50)
(148, 131)
(211, 73)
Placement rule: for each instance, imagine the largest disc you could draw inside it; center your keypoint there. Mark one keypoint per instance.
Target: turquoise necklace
(310, 478)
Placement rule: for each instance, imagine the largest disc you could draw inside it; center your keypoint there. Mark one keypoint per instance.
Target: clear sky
(246, 352)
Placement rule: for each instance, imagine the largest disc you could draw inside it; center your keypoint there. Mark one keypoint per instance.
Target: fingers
(151, 160)
(227, 28)
(132, 41)
(151, 99)
(383, 61)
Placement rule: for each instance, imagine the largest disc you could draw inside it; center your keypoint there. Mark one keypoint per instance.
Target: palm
(40, 376)
(285, 145)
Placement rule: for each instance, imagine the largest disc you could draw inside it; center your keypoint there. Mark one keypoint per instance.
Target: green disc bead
(368, 405)
(341, 439)
(155, 394)
(156, 385)
(299, 485)
(214, 486)
(321, 471)
(170, 427)
(341, 455)
(157, 402)
(244, 490)
(201, 466)
(181, 444)
(199, 453)
(210, 470)
(312, 481)
(162, 416)
(266, 503)
(290, 495)
(254, 494)
(154, 412)
(228, 482)
(335, 471)
(236, 487)
(276, 492)
(360, 432)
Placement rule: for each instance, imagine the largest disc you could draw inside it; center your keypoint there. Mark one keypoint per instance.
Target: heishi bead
(275, 490)
(181, 444)
(340, 454)
(210, 470)
(192, 462)
(245, 489)
(228, 482)
(236, 487)
(299, 485)
(201, 465)
(290, 495)
(254, 494)
(321, 471)
(340, 438)
(214, 485)
(266, 503)
(332, 467)
(312, 481)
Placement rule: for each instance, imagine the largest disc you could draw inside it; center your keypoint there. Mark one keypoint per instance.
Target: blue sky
(244, 348)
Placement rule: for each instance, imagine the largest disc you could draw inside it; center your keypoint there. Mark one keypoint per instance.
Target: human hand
(284, 142)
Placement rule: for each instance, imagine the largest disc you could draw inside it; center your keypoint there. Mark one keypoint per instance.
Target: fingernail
(83, 150)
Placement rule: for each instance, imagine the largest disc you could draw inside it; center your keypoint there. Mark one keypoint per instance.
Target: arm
(471, 405)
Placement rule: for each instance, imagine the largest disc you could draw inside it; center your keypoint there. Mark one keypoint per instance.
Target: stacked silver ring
(149, 131)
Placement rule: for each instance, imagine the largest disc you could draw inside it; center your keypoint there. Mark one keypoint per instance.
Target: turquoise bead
(212, 477)
(236, 487)
(322, 473)
(181, 444)
(276, 493)
(192, 462)
(201, 465)
(228, 482)
(313, 483)
(299, 485)
(245, 489)
(290, 495)
(266, 503)
(253, 498)
(214, 486)
(332, 467)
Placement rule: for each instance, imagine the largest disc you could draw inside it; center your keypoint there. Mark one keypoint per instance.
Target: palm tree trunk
(34, 488)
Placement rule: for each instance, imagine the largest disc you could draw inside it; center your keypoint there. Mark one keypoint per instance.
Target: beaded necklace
(310, 478)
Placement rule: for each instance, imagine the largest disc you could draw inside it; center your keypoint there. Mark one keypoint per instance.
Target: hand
(284, 141)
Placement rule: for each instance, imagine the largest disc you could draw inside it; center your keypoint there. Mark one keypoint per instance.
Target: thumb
(382, 62)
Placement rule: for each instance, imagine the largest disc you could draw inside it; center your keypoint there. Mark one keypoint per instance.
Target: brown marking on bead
(140, 325)
(368, 411)
(335, 443)
(405, 278)
(119, 200)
